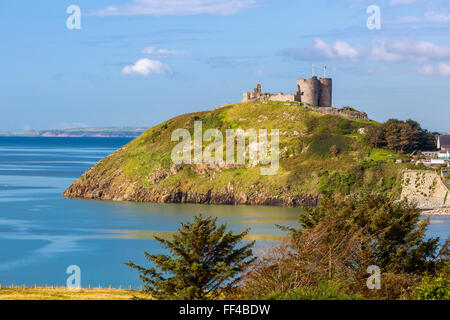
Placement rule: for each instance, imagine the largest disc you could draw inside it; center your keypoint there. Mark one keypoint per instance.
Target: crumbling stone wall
(257, 96)
(282, 97)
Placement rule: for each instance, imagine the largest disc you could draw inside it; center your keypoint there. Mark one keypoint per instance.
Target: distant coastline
(110, 132)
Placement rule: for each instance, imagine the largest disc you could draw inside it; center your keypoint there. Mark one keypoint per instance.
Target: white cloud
(426, 70)
(406, 19)
(429, 16)
(407, 50)
(444, 69)
(146, 66)
(437, 17)
(338, 50)
(321, 50)
(401, 2)
(175, 7)
(380, 53)
(164, 52)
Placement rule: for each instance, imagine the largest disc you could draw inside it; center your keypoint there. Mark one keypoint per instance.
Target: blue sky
(140, 62)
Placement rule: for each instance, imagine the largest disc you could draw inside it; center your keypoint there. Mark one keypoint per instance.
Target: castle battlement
(315, 93)
(257, 96)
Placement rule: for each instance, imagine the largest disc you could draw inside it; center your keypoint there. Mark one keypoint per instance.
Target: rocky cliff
(426, 188)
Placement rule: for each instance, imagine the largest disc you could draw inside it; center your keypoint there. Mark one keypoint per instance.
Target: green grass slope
(143, 171)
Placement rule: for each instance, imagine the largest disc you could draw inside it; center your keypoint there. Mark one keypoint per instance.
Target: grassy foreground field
(63, 293)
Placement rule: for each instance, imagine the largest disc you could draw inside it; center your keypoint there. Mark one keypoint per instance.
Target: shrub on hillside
(336, 182)
(321, 143)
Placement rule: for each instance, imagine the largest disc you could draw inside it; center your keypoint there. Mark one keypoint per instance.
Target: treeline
(404, 136)
(327, 257)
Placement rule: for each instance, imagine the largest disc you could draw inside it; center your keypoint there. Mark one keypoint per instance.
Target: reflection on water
(42, 233)
(140, 234)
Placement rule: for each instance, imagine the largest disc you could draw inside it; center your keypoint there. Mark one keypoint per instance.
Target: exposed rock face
(426, 188)
(108, 189)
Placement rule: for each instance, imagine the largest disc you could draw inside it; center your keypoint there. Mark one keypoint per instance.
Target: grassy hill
(143, 170)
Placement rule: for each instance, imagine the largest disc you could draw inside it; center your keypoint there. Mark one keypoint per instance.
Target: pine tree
(204, 261)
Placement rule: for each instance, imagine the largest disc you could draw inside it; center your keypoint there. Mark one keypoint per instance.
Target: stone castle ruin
(258, 96)
(313, 93)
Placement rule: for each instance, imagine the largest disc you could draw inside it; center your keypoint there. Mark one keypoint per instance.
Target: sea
(43, 234)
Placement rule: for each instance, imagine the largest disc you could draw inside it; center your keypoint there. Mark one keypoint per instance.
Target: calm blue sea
(42, 233)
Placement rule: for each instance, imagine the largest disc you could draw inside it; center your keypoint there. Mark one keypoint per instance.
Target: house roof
(444, 140)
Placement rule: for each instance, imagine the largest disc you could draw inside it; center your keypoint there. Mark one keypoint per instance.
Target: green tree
(405, 136)
(339, 239)
(427, 140)
(397, 232)
(409, 139)
(375, 136)
(204, 260)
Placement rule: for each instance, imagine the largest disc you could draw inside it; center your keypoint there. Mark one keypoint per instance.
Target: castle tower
(257, 90)
(326, 89)
(309, 90)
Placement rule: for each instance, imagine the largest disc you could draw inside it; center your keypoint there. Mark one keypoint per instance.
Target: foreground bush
(430, 288)
(336, 243)
(204, 261)
(311, 257)
(396, 231)
(326, 290)
(437, 287)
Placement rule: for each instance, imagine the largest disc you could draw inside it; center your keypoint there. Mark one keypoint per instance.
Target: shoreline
(438, 212)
